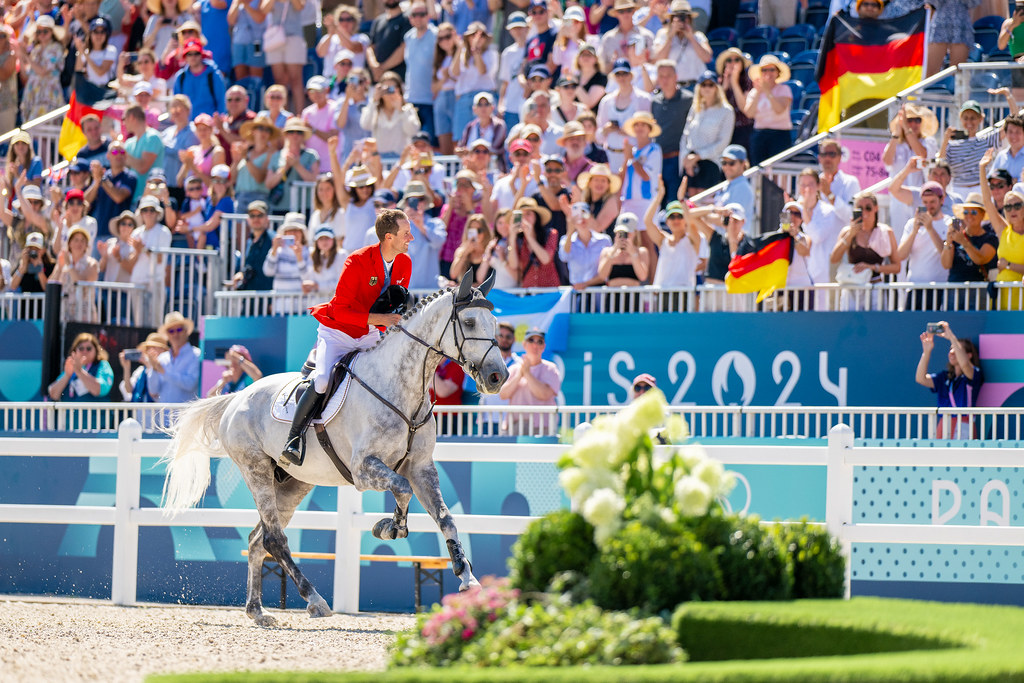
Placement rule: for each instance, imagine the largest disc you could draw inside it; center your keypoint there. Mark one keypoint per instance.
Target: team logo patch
(373, 280)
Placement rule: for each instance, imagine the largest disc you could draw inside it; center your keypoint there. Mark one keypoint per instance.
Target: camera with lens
(33, 254)
(390, 90)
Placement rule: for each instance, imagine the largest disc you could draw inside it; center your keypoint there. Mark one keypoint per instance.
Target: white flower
(693, 495)
(571, 479)
(593, 479)
(595, 449)
(710, 472)
(604, 511)
(645, 413)
(676, 429)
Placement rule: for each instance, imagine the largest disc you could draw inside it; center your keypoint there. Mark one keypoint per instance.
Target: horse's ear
(465, 287)
(485, 288)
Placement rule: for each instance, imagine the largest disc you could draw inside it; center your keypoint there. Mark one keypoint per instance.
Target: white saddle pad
(284, 403)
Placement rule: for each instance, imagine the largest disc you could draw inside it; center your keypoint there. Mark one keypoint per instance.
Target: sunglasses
(520, 153)
(117, 152)
(347, 19)
(447, 36)
(641, 388)
(537, 11)
(537, 79)
(828, 154)
(1016, 206)
(148, 209)
(913, 119)
(75, 202)
(794, 212)
(729, 162)
(769, 69)
(256, 214)
(175, 330)
(866, 207)
(534, 340)
(418, 15)
(506, 336)
(463, 184)
(196, 188)
(972, 212)
(997, 186)
(553, 169)
(733, 60)
(481, 152)
(236, 99)
(85, 347)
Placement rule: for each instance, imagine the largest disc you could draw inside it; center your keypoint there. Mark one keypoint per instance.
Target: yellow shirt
(1011, 248)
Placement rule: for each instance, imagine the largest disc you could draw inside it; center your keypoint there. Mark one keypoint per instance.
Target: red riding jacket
(362, 281)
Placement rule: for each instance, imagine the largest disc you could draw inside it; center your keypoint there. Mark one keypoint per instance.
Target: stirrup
(293, 454)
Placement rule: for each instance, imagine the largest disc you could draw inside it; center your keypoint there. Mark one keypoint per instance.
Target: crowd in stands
(582, 130)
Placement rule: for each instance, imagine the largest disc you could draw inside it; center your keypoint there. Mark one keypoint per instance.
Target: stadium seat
(976, 54)
(722, 38)
(796, 88)
(797, 38)
(796, 117)
(812, 93)
(748, 7)
(806, 57)
(783, 56)
(801, 72)
(745, 22)
(759, 41)
(817, 17)
(999, 56)
(981, 82)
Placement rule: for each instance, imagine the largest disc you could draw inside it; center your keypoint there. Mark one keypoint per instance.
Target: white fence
(21, 306)
(117, 303)
(475, 421)
(349, 521)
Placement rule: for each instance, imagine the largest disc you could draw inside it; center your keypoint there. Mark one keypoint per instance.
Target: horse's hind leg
(254, 590)
(373, 475)
(276, 504)
(427, 486)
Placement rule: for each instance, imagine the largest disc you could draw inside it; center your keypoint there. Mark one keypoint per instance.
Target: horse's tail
(193, 440)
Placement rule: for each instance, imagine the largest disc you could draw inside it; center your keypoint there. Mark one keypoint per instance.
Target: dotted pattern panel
(538, 482)
(974, 564)
(889, 495)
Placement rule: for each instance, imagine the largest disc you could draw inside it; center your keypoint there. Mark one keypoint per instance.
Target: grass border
(984, 644)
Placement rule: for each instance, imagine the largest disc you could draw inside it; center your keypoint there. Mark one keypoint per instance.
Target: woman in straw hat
(769, 105)
(165, 18)
(354, 186)
(22, 159)
(74, 265)
(176, 376)
(912, 135)
(42, 55)
(732, 67)
(116, 253)
(641, 170)
(969, 251)
(134, 386)
(532, 245)
(295, 162)
(601, 192)
(251, 159)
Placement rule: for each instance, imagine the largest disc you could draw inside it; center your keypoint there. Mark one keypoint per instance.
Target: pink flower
(467, 633)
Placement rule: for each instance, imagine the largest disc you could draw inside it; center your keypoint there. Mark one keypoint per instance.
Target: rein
(453, 318)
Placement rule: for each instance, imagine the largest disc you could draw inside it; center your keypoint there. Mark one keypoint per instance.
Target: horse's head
(472, 336)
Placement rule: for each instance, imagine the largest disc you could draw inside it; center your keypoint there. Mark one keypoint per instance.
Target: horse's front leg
(427, 486)
(373, 475)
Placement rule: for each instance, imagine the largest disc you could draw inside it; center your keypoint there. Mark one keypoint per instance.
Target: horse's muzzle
(492, 376)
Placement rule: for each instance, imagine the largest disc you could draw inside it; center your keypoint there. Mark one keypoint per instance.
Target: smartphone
(934, 328)
(615, 123)
(132, 56)
(857, 214)
(472, 233)
(922, 209)
(390, 90)
(958, 224)
(958, 134)
(517, 219)
(133, 355)
(289, 240)
(580, 210)
(257, 48)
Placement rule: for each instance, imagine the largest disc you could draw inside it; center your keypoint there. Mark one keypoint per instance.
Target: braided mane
(415, 310)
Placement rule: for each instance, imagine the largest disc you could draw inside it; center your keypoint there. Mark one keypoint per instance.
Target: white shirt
(844, 188)
(823, 228)
(924, 264)
(505, 197)
(511, 64)
(334, 47)
(470, 80)
(677, 263)
(156, 237)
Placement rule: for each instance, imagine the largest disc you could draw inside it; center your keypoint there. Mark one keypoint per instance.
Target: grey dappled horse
(384, 434)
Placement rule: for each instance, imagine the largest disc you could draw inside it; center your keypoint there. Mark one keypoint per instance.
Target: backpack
(179, 82)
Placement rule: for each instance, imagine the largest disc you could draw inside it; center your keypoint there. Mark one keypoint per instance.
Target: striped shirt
(964, 155)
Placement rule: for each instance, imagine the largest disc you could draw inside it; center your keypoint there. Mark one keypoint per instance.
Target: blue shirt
(958, 393)
(419, 65)
(1014, 163)
(583, 259)
(215, 27)
(106, 208)
(205, 90)
(179, 382)
(76, 391)
(739, 191)
(174, 141)
(425, 252)
(463, 16)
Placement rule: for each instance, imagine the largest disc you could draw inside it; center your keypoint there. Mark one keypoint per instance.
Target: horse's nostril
(495, 378)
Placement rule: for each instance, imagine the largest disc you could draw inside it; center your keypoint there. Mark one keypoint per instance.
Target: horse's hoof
(385, 530)
(319, 609)
(471, 582)
(265, 621)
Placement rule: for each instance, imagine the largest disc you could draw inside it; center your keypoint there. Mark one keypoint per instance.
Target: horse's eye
(470, 323)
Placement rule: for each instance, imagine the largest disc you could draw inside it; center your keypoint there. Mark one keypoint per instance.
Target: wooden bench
(428, 570)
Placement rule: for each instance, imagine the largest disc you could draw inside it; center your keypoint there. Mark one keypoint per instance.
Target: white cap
(220, 171)
(343, 55)
(736, 211)
(626, 221)
(142, 86)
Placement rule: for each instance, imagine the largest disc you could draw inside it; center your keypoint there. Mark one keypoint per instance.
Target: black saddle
(338, 373)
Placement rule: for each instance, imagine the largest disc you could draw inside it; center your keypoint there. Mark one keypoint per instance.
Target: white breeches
(331, 345)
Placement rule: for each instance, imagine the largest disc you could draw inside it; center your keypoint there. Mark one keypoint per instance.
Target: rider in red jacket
(345, 321)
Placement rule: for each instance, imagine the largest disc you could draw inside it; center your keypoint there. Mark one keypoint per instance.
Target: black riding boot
(306, 409)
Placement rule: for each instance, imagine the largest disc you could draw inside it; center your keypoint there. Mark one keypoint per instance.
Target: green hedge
(980, 643)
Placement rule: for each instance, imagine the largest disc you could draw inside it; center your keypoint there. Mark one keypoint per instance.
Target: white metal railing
(191, 277)
(349, 521)
(472, 421)
(839, 496)
(885, 296)
(235, 241)
(21, 305)
(117, 303)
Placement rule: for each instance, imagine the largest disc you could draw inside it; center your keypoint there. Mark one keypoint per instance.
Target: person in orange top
(346, 323)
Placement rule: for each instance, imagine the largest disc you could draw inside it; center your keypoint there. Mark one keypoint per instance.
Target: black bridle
(455, 323)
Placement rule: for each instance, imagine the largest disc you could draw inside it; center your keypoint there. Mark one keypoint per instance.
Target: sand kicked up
(83, 640)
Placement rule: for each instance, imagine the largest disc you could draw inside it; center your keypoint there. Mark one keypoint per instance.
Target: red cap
(520, 144)
(192, 46)
(74, 193)
(644, 377)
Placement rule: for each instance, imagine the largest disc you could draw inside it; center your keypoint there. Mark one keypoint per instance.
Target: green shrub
(752, 564)
(557, 542)
(819, 570)
(653, 568)
(558, 633)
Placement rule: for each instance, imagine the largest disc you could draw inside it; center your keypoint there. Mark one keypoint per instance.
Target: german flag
(763, 270)
(72, 139)
(867, 59)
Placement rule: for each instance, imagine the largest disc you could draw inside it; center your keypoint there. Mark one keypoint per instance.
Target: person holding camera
(288, 260)
(581, 246)
(388, 117)
(239, 373)
(134, 386)
(969, 251)
(430, 235)
(87, 375)
(963, 147)
(922, 246)
(956, 386)
(34, 266)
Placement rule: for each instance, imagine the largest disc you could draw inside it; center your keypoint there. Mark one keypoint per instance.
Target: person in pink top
(320, 116)
(532, 381)
(769, 103)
